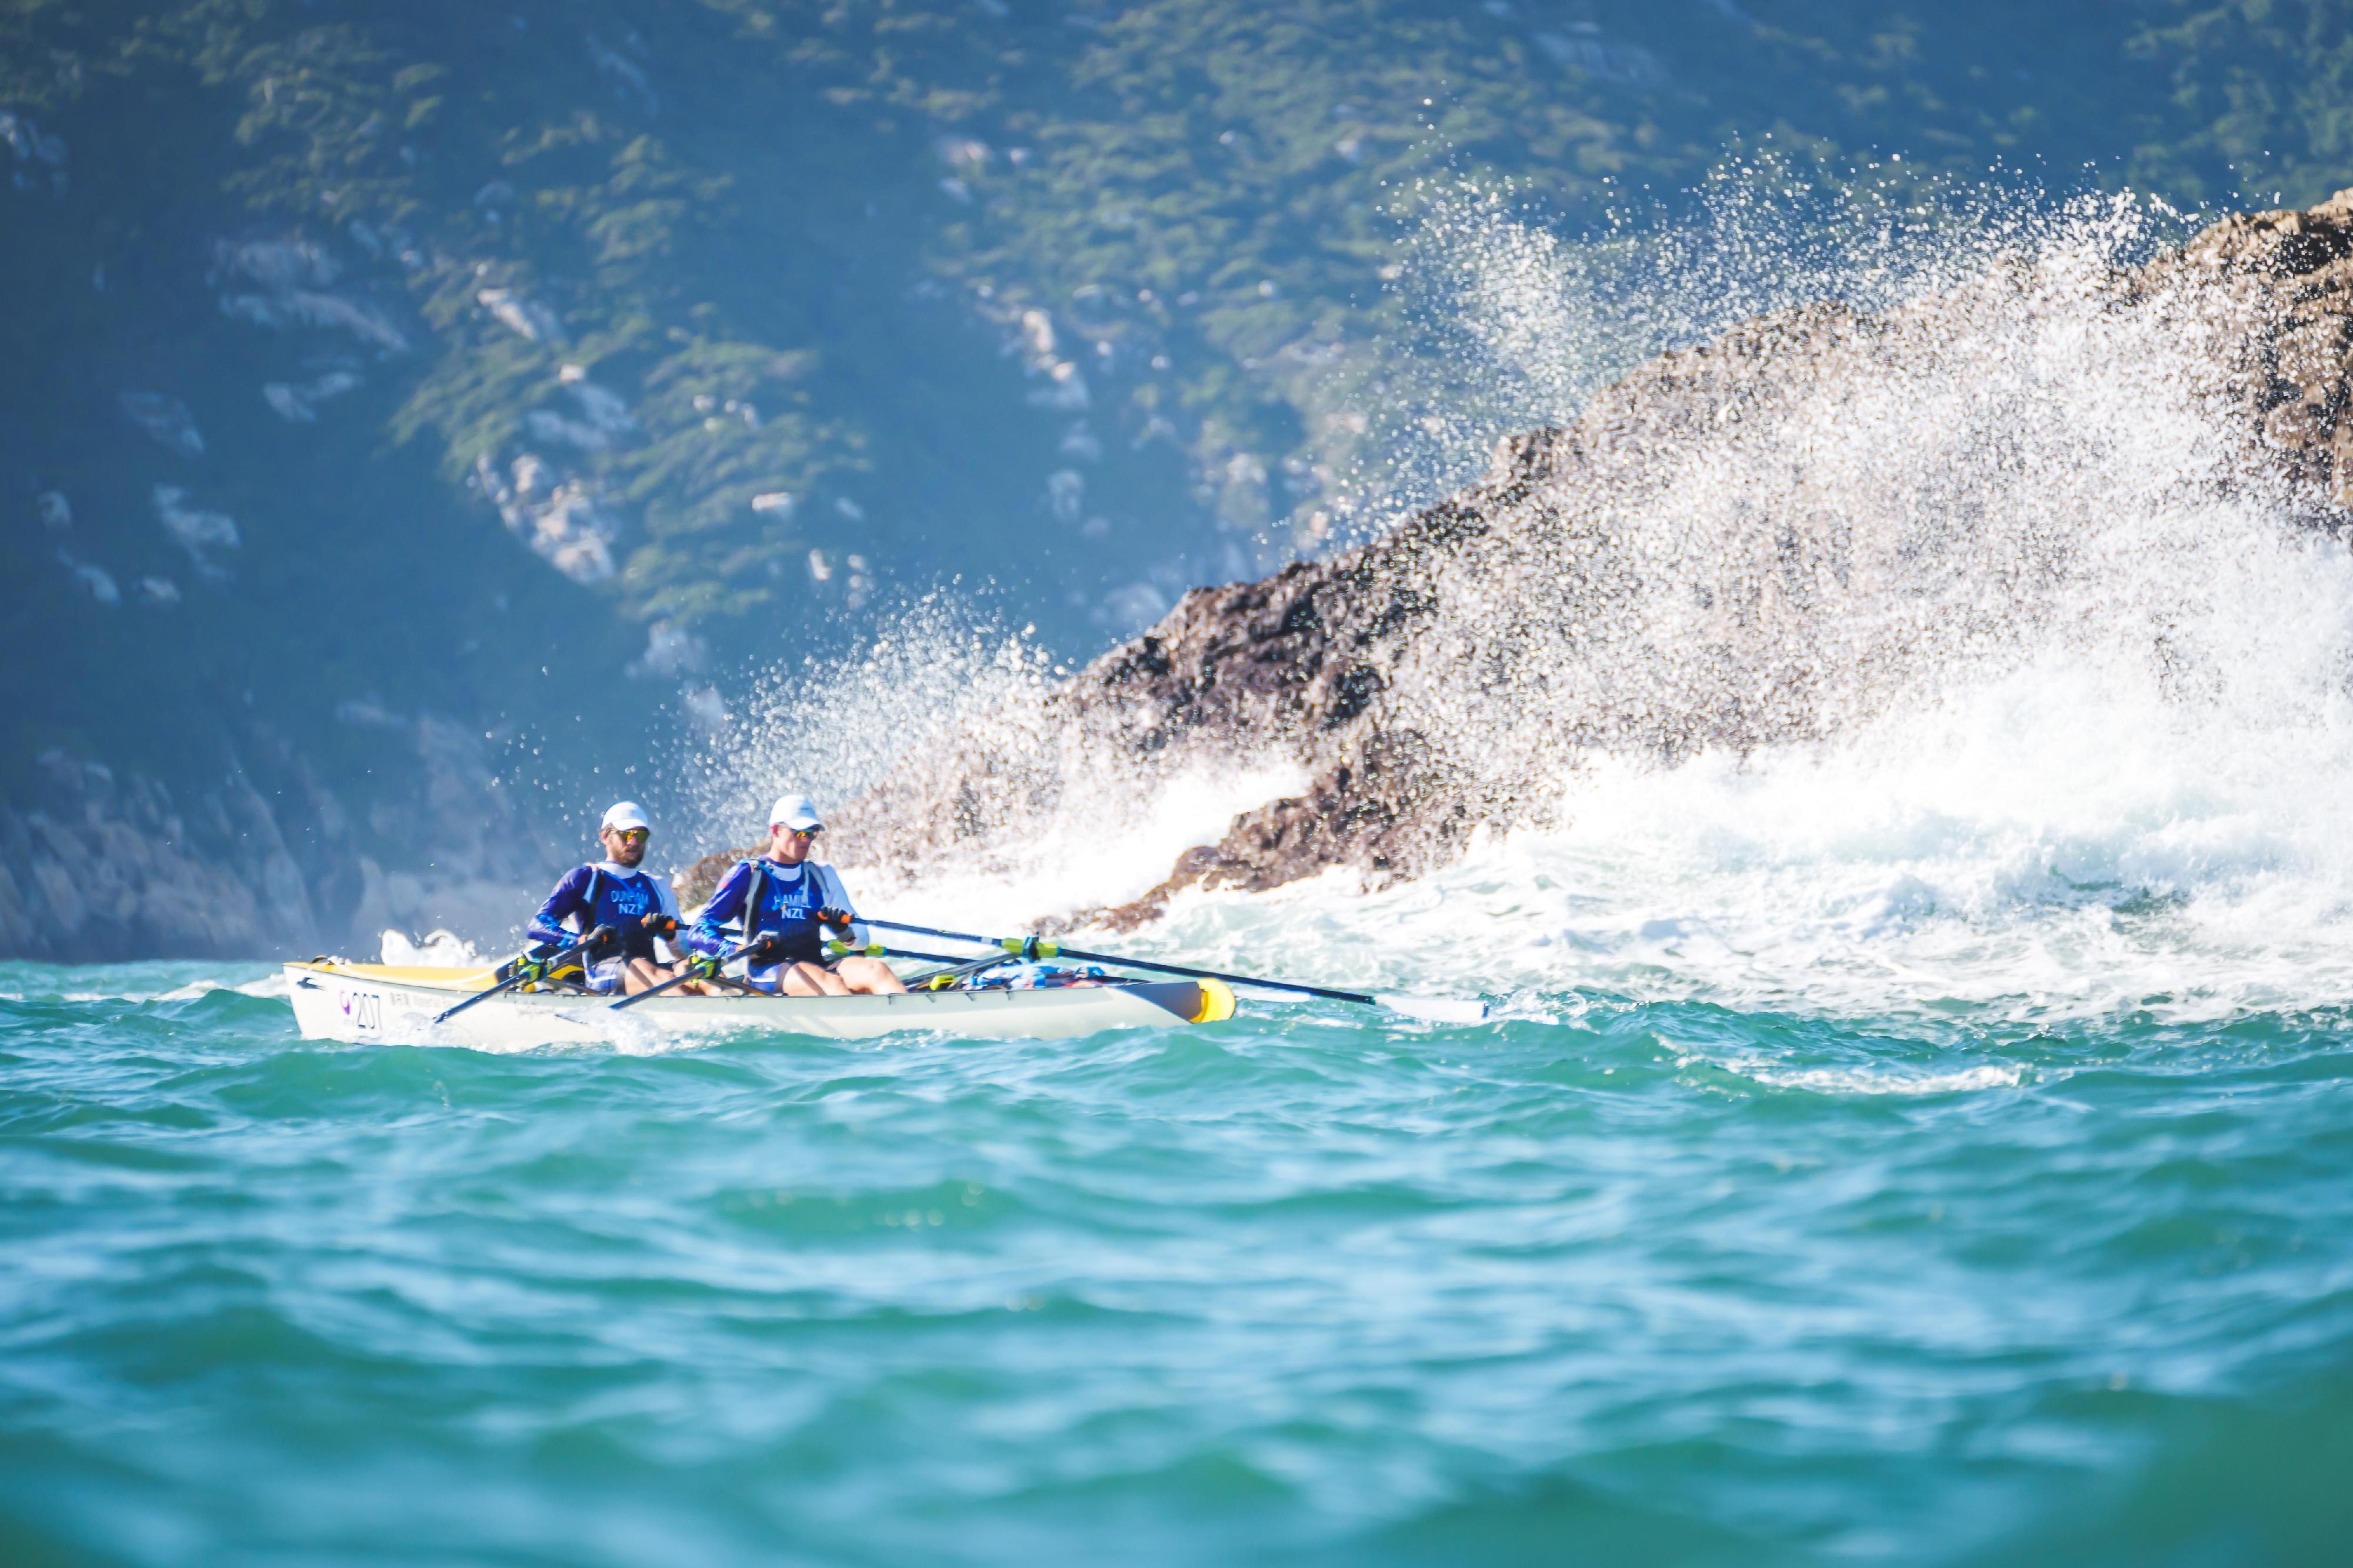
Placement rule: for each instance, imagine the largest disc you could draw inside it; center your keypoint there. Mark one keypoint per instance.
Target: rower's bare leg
(642, 975)
(809, 980)
(645, 974)
(870, 977)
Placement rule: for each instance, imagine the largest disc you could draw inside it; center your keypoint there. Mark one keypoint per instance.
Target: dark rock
(695, 885)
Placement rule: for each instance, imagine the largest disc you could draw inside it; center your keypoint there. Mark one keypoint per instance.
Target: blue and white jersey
(761, 897)
(604, 894)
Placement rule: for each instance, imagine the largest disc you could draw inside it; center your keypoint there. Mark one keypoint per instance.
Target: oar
(694, 971)
(1430, 1010)
(958, 967)
(527, 969)
(956, 971)
(833, 949)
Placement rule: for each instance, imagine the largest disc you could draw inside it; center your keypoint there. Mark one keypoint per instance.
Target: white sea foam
(830, 727)
(1105, 851)
(2079, 834)
(270, 984)
(133, 986)
(436, 949)
(2089, 745)
(1859, 1080)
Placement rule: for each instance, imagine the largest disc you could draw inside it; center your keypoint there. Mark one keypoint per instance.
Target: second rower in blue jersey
(788, 899)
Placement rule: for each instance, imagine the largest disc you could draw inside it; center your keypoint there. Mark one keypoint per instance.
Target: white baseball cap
(627, 813)
(796, 811)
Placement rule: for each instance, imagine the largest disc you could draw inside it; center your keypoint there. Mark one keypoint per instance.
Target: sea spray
(2005, 509)
(2039, 684)
(1965, 648)
(946, 670)
(1824, 515)
(832, 725)
(1509, 321)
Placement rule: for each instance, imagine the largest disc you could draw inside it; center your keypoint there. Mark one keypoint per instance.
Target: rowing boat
(398, 1004)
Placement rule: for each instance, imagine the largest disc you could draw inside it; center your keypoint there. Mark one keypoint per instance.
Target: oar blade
(1437, 1009)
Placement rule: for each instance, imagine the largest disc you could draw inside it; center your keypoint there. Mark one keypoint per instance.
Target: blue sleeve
(709, 935)
(570, 898)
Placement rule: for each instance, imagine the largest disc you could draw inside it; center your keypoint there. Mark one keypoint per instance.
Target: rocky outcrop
(2290, 276)
(1752, 540)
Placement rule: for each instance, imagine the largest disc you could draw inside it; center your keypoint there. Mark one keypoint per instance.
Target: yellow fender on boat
(1216, 1002)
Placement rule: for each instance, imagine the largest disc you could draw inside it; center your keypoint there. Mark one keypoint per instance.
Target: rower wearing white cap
(786, 897)
(613, 893)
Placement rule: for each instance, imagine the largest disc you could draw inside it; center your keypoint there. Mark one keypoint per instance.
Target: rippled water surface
(1604, 1281)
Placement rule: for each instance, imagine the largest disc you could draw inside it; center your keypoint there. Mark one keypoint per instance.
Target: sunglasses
(633, 834)
(797, 832)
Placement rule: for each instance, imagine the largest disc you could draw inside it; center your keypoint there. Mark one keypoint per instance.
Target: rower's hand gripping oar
(1429, 1009)
(528, 967)
(706, 968)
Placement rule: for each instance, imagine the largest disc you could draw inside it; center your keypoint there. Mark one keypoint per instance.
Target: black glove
(767, 950)
(660, 924)
(833, 916)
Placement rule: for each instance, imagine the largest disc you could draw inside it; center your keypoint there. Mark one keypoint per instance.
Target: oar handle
(531, 965)
(694, 971)
(509, 983)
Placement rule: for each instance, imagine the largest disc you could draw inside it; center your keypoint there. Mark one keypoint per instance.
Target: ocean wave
(1871, 1081)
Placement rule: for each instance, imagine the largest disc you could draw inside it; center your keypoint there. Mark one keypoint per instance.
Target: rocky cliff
(1755, 540)
(369, 360)
(264, 858)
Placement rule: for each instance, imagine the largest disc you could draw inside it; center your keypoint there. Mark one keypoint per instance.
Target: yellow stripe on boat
(409, 973)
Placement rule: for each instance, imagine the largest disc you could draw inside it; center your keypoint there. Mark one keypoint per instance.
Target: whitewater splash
(1508, 325)
(1966, 651)
(834, 728)
(2051, 708)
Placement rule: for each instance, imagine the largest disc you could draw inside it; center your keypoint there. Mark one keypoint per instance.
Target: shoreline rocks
(1744, 543)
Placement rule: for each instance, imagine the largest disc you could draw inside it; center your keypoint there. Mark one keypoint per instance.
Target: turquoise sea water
(1930, 1143)
(1673, 1282)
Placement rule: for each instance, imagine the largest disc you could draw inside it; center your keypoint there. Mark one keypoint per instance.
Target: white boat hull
(376, 1003)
